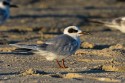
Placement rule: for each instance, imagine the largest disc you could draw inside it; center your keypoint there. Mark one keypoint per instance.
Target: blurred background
(36, 17)
(62, 13)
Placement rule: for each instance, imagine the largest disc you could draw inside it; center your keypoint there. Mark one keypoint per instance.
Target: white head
(73, 31)
(4, 4)
(123, 18)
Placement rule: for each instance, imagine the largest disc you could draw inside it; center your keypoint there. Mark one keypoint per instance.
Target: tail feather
(32, 47)
(96, 21)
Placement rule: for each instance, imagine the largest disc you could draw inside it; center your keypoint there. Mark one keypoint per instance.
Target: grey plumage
(61, 45)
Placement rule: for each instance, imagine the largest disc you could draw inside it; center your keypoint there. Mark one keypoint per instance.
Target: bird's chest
(4, 14)
(78, 43)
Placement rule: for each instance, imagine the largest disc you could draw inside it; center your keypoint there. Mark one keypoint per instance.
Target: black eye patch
(6, 3)
(72, 31)
(118, 21)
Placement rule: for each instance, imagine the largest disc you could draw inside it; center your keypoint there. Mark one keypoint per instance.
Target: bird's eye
(118, 21)
(72, 31)
(6, 3)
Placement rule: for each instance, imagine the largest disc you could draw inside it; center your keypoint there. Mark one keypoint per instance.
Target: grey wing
(96, 21)
(62, 45)
(99, 21)
(33, 47)
(70, 48)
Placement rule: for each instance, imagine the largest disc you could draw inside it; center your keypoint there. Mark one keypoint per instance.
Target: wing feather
(63, 45)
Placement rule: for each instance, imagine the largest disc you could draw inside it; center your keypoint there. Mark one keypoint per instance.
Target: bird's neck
(74, 36)
(5, 9)
(77, 38)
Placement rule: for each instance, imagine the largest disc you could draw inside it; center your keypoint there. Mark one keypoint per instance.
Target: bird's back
(61, 45)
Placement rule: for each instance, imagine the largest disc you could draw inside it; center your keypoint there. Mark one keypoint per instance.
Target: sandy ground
(101, 58)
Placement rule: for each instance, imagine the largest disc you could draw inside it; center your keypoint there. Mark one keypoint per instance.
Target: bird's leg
(63, 64)
(59, 64)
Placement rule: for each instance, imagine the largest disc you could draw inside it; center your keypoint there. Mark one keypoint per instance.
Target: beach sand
(101, 58)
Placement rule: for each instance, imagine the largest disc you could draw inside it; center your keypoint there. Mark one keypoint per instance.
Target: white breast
(49, 55)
